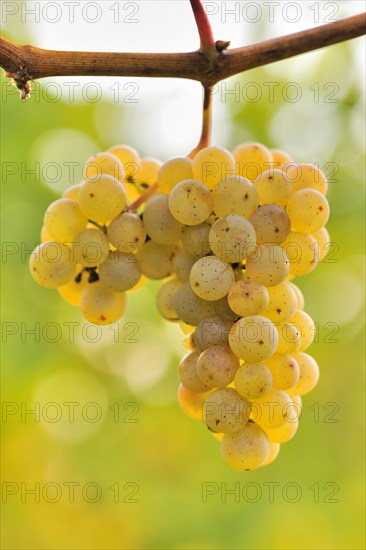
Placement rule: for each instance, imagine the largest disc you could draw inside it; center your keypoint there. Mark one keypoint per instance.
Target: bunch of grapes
(227, 232)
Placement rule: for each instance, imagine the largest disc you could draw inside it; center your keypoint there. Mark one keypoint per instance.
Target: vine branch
(25, 63)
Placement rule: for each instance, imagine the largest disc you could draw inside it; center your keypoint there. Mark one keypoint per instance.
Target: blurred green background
(111, 459)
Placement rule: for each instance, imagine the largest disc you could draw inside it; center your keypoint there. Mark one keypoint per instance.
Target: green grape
(64, 220)
(247, 449)
(213, 164)
(301, 250)
(72, 192)
(235, 195)
(159, 223)
(248, 298)
(212, 331)
(182, 265)
(232, 238)
(216, 366)
(71, 292)
(299, 295)
(226, 411)
(120, 272)
(164, 300)
(51, 264)
(189, 307)
(190, 202)
(268, 264)
(174, 171)
(274, 187)
(147, 173)
(127, 232)
(306, 327)
(308, 210)
(156, 259)
(285, 371)
(309, 374)
(192, 403)
(253, 338)
(307, 176)
(195, 240)
(289, 338)
(273, 409)
(252, 159)
(188, 373)
(274, 449)
(253, 380)
(222, 309)
(282, 303)
(271, 224)
(211, 278)
(104, 164)
(102, 198)
(280, 158)
(322, 239)
(100, 306)
(129, 158)
(90, 247)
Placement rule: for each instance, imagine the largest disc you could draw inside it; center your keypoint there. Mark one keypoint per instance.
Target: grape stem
(143, 198)
(205, 139)
(207, 47)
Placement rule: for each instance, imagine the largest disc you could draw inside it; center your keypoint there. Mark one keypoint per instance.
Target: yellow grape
(174, 171)
(195, 240)
(156, 259)
(299, 295)
(217, 365)
(306, 328)
(308, 210)
(129, 158)
(127, 232)
(90, 247)
(189, 307)
(280, 158)
(322, 238)
(101, 306)
(102, 199)
(191, 402)
(274, 449)
(235, 195)
(188, 373)
(103, 164)
(158, 221)
(253, 338)
(212, 164)
(253, 380)
(45, 236)
(164, 300)
(72, 192)
(274, 187)
(232, 238)
(282, 303)
(190, 202)
(71, 292)
(120, 272)
(226, 411)
(305, 176)
(212, 331)
(285, 371)
(268, 264)
(148, 172)
(309, 374)
(51, 264)
(301, 250)
(284, 433)
(252, 159)
(273, 409)
(211, 278)
(289, 338)
(247, 449)
(64, 220)
(271, 224)
(248, 297)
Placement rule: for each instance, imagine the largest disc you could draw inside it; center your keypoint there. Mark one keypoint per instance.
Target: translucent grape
(212, 331)
(104, 164)
(273, 409)
(253, 338)
(226, 411)
(301, 250)
(72, 192)
(271, 224)
(284, 433)
(322, 239)
(174, 171)
(164, 301)
(309, 374)
(191, 402)
(195, 240)
(305, 176)
(158, 221)
(45, 236)
(90, 247)
(308, 210)
(306, 327)
(101, 306)
(282, 303)
(280, 158)
(235, 195)
(274, 449)
(71, 292)
(189, 307)
(252, 159)
(213, 164)
(246, 449)
(147, 173)
(102, 199)
(274, 187)
(288, 338)
(156, 259)
(120, 272)
(216, 366)
(253, 380)
(299, 295)
(64, 220)
(188, 373)
(231, 238)
(285, 371)
(127, 232)
(211, 278)
(51, 264)
(190, 202)
(129, 158)
(268, 264)
(182, 265)
(248, 297)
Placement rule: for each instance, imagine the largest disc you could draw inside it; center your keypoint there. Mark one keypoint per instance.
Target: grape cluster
(227, 232)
